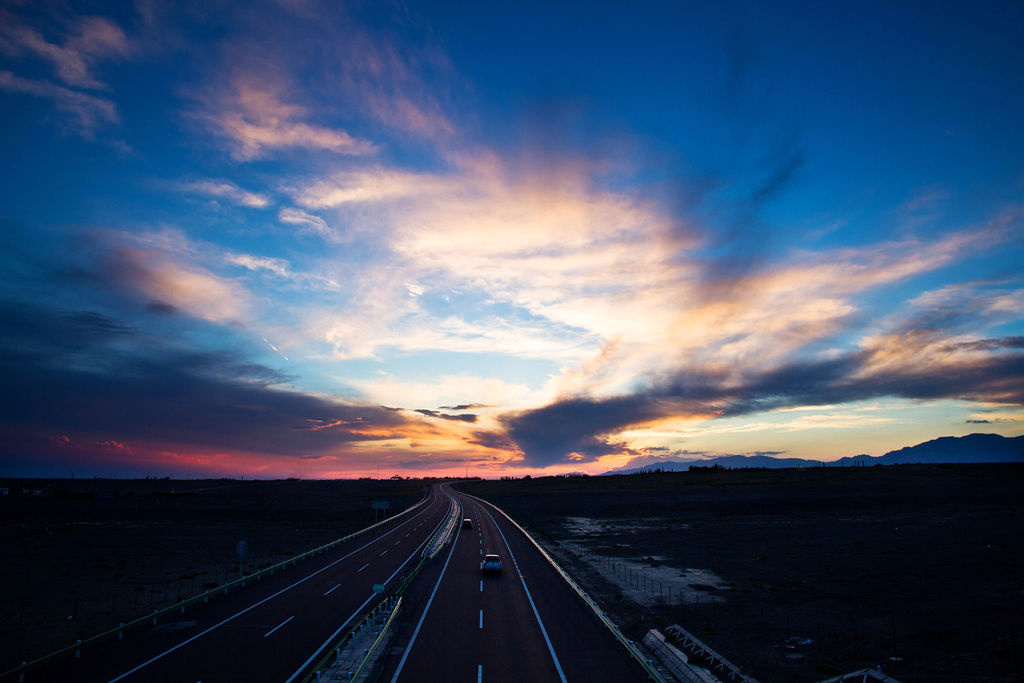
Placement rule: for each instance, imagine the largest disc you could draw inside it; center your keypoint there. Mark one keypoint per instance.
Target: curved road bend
(274, 630)
(525, 625)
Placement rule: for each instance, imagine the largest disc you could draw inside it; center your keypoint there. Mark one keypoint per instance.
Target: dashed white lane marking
(397, 542)
(332, 590)
(540, 622)
(481, 551)
(481, 586)
(363, 567)
(285, 622)
(479, 673)
(384, 553)
(481, 619)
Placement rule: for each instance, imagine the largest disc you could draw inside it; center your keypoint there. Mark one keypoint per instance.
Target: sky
(329, 239)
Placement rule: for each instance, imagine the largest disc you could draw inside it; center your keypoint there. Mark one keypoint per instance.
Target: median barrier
(392, 602)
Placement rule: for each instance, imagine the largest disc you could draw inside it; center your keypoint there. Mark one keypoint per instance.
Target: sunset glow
(300, 239)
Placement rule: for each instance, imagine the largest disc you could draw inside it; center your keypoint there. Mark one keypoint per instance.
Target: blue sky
(333, 239)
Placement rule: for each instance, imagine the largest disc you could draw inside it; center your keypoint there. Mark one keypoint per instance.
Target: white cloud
(308, 223)
(446, 390)
(276, 266)
(225, 190)
(254, 114)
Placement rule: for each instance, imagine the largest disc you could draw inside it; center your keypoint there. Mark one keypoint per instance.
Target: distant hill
(972, 448)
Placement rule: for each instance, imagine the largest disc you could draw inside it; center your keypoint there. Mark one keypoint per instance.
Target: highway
(525, 625)
(273, 630)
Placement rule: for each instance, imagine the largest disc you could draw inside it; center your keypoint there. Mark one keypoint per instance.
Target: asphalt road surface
(273, 630)
(525, 625)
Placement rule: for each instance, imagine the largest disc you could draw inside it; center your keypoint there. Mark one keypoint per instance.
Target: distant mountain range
(972, 448)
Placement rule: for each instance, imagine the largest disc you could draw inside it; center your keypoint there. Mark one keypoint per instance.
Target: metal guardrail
(609, 624)
(204, 596)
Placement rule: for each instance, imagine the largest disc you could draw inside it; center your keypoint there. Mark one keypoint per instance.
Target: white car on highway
(491, 564)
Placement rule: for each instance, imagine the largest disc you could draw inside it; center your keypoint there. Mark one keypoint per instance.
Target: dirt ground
(80, 556)
(798, 575)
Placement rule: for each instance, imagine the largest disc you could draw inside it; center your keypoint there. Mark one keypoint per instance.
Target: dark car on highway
(491, 564)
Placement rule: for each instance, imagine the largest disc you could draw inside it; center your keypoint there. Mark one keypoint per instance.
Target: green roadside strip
(205, 596)
(609, 624)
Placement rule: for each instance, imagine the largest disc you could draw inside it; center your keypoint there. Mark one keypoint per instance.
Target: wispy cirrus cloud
(282, 269)
(308, 223)
(74, 59)
(90, 40)
(258, 115)
(224, 189)
(87, 112)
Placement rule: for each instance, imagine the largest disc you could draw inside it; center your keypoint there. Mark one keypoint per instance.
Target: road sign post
(242, 548)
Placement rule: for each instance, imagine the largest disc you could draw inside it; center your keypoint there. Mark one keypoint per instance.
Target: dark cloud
(161, 307)
(549, 434)
(495, 440)
(978, 422)
(577, 429)
(466, 406)
(92, 379)
(462, 417)
(990, 344)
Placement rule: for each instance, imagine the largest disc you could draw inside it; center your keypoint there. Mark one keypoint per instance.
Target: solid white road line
(363, 567)
(331, 591)
(416, 632)
(540, 622)
(278, 626)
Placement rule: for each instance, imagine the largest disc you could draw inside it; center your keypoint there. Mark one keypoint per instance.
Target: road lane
(526, 624)
(266, 631)
(452, 644)
(586, 650)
